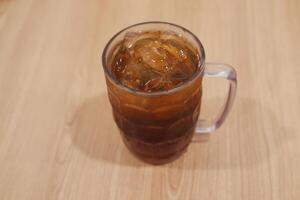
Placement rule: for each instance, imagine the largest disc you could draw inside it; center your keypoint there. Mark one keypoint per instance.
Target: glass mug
(158, 126)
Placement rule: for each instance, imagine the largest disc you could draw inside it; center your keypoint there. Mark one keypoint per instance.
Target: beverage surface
(153, 60)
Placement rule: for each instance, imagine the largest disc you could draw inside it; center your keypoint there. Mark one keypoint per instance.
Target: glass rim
(155, 93)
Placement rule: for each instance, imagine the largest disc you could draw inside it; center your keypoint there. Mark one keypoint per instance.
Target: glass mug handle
(227, 72)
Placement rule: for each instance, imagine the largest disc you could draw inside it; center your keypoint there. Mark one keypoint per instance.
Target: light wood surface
(57, 135)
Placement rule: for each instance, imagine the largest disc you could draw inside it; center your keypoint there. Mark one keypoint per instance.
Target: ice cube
(152, 54)
(136, 74)
(131, 38)
(158, 84)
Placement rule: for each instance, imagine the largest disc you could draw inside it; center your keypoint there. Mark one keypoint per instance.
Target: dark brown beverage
(154, 92)
(153, 61)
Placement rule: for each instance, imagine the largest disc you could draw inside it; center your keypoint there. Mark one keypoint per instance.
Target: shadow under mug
(158, 126)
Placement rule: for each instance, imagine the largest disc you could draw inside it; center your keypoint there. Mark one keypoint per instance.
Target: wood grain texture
(57, 135)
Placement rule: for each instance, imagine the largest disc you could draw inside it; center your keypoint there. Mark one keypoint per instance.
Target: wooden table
(57, 135)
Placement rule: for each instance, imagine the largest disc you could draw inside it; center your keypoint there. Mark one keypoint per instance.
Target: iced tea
(154, 93)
